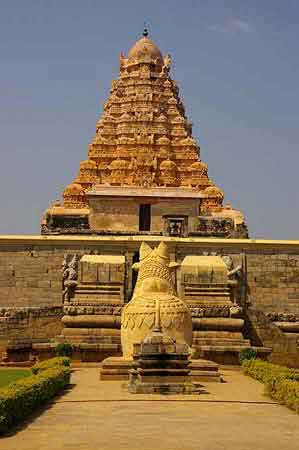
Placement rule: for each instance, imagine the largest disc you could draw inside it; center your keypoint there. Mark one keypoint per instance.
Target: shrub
(247, 353)
(19, 399)
(264, 371)
(285, 391)
(281, 383)
(48, 363)
(64, 349)
(293, 376)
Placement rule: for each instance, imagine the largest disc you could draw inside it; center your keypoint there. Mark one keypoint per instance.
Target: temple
(144, 174)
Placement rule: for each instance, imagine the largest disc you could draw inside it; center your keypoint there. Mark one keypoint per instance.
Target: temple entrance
(144, 217)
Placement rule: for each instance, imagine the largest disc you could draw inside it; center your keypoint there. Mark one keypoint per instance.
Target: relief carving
(69, 277)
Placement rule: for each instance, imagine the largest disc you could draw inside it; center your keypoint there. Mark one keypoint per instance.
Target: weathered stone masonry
(31, 282)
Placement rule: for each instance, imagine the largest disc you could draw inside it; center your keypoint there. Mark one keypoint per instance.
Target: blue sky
(237, 66)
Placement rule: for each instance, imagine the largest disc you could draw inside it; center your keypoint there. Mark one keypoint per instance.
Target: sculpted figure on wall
(167, 63)
(69, 278)
(234, 274)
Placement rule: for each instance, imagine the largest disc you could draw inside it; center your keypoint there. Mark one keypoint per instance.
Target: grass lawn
(10, 375)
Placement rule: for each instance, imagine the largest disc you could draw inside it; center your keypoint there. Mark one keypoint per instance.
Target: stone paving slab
(102, 415)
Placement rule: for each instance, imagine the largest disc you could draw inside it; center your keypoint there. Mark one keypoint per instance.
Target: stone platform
(115, 369)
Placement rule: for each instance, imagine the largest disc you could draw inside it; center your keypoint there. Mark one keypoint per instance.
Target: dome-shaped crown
(88, 164)
(199, 166)
(188, 141)
(145, 48)
(73, 189)
(214, 191)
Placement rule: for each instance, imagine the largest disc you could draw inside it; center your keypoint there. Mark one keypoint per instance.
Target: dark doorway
(144, 217)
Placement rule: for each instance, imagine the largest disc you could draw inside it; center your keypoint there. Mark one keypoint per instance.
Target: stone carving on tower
(143, 138)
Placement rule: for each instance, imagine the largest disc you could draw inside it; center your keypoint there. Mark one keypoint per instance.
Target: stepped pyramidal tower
(144, 173)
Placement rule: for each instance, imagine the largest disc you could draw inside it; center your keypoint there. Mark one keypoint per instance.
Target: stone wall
(30, 266)
(273, 280)
(113, 214)
(30, 270)
(269, 293)
(29, 323)
(262, 331)
(122, 215)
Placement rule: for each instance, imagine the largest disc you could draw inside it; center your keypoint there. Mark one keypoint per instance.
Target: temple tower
(144, 174)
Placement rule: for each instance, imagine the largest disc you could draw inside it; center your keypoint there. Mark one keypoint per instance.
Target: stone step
(96, 291)
(96, 340)
(114, 377)
(205, 375)
(227, 354)
(98, 285)
(223, 348)
(217, 334)
(209, 292)
(222, 341)
(203, 365)
(206, 301)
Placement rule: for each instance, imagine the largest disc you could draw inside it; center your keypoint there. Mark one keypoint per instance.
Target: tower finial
(145, 30)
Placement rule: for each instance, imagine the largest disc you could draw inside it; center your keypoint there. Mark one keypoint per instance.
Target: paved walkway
(101, 415)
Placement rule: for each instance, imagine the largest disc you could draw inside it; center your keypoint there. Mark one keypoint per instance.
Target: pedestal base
(115, 368)
(162, 388)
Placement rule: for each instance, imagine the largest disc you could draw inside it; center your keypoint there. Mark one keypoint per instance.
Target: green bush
(263, 371)
(281, 383)
(293, 376)
(285, 391)
(247, 353)
(48, 363)
(21, 398)
(64, 349)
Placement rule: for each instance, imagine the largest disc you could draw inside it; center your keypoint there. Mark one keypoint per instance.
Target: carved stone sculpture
(154, 283)
(69, 278)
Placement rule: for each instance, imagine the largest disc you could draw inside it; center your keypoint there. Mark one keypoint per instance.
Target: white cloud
(233, 25)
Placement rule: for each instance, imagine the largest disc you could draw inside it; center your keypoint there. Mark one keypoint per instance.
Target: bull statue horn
(162, 250)
(145, 250)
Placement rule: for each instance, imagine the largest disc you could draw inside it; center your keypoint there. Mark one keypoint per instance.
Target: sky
(237, 66)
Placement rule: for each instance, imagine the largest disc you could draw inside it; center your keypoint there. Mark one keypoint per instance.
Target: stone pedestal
(117, 368)
(160, 366)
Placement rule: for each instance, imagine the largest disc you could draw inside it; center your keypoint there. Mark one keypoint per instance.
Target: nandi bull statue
(154, 283)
